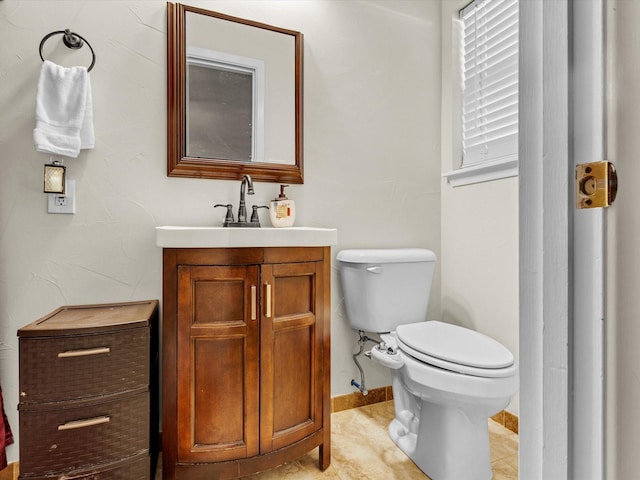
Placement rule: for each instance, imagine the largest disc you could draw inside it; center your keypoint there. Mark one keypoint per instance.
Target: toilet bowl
(442, 406)
(447, 380)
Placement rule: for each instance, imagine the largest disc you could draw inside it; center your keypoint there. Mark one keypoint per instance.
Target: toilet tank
(384, 288)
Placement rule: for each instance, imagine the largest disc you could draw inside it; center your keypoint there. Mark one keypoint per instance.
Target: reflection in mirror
(234, 97)
(225, 106)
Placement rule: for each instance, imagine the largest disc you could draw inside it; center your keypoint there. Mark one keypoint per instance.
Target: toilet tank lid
(386, 255)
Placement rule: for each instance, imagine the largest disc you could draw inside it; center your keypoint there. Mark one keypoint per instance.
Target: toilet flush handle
(375, 269)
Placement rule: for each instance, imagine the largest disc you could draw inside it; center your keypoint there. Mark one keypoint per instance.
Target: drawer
(54, 369)
(70, 436)
(137, 468)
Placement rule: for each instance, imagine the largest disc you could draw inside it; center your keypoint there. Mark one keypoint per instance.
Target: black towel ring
(71, 40)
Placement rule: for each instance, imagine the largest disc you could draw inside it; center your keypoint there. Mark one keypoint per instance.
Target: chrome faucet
(242, 209)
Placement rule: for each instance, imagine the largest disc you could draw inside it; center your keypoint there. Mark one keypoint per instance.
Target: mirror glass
(234, 97)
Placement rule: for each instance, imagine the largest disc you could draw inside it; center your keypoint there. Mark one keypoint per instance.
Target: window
(489, 97)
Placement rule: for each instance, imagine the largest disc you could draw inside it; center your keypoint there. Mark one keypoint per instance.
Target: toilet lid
(454, 344)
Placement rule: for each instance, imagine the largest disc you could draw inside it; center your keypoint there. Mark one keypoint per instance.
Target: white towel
(64, 110)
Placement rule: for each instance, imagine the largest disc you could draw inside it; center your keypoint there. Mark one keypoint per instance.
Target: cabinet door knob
(268, 295)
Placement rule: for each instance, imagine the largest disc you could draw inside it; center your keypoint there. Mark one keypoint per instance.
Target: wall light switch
(63, 203)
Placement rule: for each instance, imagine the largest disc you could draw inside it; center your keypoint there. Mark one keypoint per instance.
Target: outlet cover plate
(63, 203)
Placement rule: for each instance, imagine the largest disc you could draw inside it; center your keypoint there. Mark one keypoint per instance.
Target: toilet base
(443, 442)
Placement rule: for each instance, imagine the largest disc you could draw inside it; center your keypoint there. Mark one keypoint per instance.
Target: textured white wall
(372, 154)
(479, 232)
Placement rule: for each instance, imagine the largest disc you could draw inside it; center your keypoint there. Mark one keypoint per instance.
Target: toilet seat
(455, 348)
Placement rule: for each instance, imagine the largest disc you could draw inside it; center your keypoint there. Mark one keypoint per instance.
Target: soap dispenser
(282, 210)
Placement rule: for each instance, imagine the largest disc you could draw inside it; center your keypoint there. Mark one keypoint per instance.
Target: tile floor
(361, 448)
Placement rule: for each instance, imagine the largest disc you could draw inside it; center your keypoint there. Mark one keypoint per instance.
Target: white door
(622, 324)
(561, 248)
(587, 329)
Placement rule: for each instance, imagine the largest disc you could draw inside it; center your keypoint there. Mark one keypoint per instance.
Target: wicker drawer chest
(89, 393)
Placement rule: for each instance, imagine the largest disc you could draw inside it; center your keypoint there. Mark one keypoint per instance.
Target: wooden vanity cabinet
(245, 359)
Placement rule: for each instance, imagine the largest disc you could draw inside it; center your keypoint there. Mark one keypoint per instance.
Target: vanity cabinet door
(217, 371)
(291, 386)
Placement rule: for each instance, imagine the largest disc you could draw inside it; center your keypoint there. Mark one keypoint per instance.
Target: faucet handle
(254, 213)
(229, 217)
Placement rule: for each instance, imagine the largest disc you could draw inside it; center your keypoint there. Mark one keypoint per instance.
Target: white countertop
(229, 237)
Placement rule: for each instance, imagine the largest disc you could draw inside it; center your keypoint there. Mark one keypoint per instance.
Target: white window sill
(484, 172)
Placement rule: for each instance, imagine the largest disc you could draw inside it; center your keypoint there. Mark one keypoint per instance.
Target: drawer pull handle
(254, 296)
(89, 422)
(268, 295)
(84, 353)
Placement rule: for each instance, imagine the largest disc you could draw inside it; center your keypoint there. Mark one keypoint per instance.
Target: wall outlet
(63, 203)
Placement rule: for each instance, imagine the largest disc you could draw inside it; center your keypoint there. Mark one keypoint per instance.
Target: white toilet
(447, 380)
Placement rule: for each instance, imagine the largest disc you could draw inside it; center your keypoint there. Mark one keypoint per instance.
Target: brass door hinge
(596, 184)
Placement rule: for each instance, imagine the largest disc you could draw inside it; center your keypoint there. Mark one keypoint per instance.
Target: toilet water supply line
(361, 342)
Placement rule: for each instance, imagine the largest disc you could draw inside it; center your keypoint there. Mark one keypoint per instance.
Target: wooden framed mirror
(234, 97)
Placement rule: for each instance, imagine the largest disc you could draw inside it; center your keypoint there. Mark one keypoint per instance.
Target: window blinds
(490, 81)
